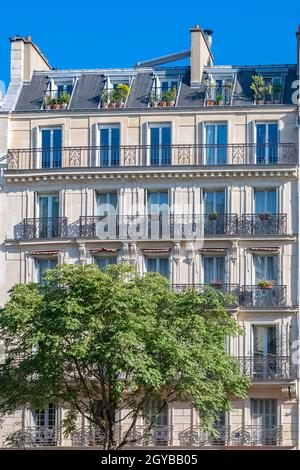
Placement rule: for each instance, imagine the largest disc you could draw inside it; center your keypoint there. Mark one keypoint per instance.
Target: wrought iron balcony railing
(229, 289)
(271, 367)
(41, 436)
(273, 295)
(162, 97)
(256, 435)
(152, 156)
(263, 224)
(196, 436)
(51, 227)
(159, 435)
(157, 226)
(218, 95)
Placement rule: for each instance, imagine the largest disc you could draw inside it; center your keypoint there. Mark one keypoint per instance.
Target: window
(158, 412)
(266, 143)
(158, 202)
(263, 421)
(265, 201)
(107, 203)
(158, 215)
(109, 145)
(51, 140)
(214, 269)
(48, 212)
(107, 219)
(104, 261)
(265, 268)
(214, 202)
(44, 428)
(41, 266)
(265, 363)
(160, 144)
(158, 265)
(216, 144)
(167, 84)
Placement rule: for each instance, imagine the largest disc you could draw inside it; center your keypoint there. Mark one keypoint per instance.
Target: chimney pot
(197, 26)
(28, 39)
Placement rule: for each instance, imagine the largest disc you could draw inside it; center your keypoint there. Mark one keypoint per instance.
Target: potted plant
(64, 100)
(258, 88)
(213, 216)
(217, 283)
(48, 102)
(266, 285)
(219, 99)
(170, 96)
(55, 104)
(276, 93)
(210, 85)
(154, 99)
(266, 216)
(118, 95)
(163, 99)
(105, 98)
(268, 92)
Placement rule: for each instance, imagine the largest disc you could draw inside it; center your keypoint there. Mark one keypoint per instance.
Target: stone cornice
(135, 173)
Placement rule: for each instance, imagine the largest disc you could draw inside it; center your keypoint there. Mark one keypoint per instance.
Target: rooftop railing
(153, 156)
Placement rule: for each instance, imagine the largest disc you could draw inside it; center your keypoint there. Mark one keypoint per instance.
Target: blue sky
(119, 33)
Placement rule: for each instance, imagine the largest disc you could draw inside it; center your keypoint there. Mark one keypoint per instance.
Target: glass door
(214, 212)
(106, 220)
(264, 352)
(158, 413)
(266, 143)
(45, 422)
(160, 145)
(51, 148)
(49, 226)
(104, 261)
(214, 270)
(158, 214)
(265, 206)
(110, 146)
(42, 265)
(216, 144)
(158, 265)
(264, 422)
(265, 269)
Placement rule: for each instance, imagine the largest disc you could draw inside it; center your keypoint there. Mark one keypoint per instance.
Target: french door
(51, 140)
(104, 261)
(107, 223)
(160, 145)
(158, 214)
(158, 265)
(265, 361)
(265, 201)
(264, 421)
(109, 146)
(266, 143)
(216, 144)
(42, 265)
(48, 209)
(214, 269)
(265, 268)
(158, 413)
(214, 212)
(44, 429)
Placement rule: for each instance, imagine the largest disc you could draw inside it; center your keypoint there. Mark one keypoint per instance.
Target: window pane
(151, 265)
(208, 269)
(220, 268)
(222, 142)
(115, 142)
(164, 267)
(46, 152)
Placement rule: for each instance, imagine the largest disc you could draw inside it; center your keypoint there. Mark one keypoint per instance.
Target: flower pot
(213, 216)
(258, 102)
(154, 104)
(48, 106)
(172, 103)
(105, 105)
(57, 106)
(265, 216)
(64, 105)
(210, 103)
(266, 287)
(163, 103)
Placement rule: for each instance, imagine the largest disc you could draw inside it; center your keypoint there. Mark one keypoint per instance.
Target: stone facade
(216, 168)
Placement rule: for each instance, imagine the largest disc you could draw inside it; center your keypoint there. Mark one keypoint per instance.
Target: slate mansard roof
(89, 85)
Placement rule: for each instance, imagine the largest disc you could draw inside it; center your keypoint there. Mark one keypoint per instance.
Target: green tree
(104, 341)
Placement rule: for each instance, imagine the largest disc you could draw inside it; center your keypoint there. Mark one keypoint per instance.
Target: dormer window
(58, 93)
(164, 91)
(115, 92)
(218, 90)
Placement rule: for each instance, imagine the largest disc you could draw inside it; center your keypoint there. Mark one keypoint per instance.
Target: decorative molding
(82, 253)
(176, 252)
(289, 392)
(190, 252)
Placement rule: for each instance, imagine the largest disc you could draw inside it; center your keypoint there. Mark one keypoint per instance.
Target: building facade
(178, 170)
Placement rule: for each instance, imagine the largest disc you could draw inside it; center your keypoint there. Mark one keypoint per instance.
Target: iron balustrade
(193, 155)
(46, 227)
(257, 296)
(270, 367)
(196, 436)
(263, 224)
(254, 435)
(40, 436)
(156, 226)
(229, 289)
(163, 96)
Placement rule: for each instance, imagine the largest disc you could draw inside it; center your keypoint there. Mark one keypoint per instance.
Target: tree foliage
(104, 343)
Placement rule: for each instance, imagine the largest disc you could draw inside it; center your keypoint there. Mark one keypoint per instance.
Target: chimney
(200, 53)
(298, 51)
(25, 57)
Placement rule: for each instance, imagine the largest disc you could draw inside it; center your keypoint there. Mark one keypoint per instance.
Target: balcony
(40, 436)
(265, 297)
(257, 436)
(153, 156)
(228, 289)
(115, 97)
(162, 97)
(52, 227)
(271, 367)
(196, 436)
(263, 224)
(157, 226)
(218, 95)
(56, 100)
